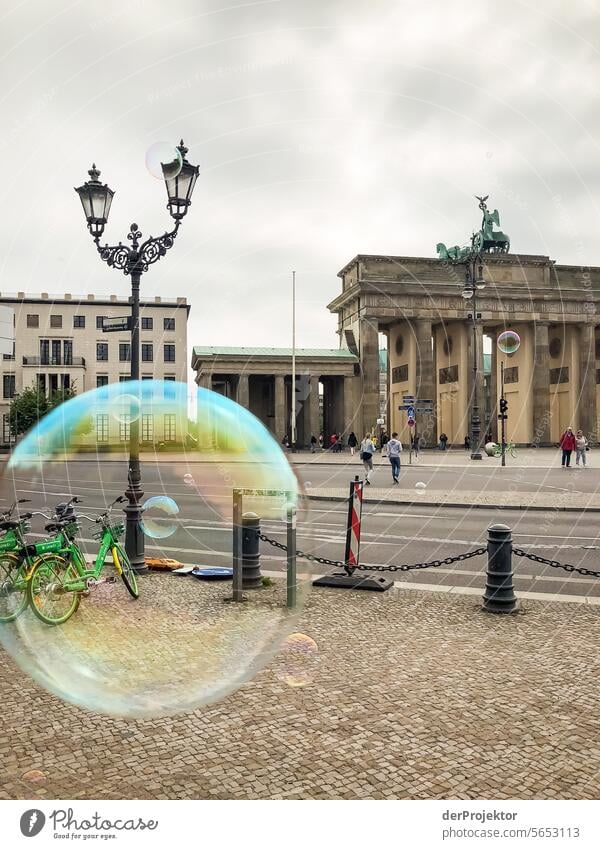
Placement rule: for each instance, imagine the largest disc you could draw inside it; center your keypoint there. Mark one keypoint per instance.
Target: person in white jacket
(367, 449)
(581, 445)
(394, 447)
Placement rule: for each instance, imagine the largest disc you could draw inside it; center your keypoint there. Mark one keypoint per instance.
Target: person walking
(313, 444)
(394, 447)
(321, 441)
(568, 444)
(384, 441)
(581, 447)
(468, 442)
(367, 449)
(352, 443)
(443, 441)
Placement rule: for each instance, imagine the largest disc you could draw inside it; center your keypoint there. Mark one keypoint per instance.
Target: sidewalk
(527, 458)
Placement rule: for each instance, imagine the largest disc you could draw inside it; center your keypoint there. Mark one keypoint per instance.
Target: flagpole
(293, 402)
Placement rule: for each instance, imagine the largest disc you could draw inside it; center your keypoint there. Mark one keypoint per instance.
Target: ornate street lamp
(133, 260)
(474, 282)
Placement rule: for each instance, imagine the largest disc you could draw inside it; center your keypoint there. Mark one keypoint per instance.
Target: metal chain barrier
(555, 564)
(405, 567)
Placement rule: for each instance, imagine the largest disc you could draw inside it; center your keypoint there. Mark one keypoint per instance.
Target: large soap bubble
(509, 342)
(180, 644)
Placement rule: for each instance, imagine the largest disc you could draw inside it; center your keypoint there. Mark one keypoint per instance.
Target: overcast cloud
(323, 129)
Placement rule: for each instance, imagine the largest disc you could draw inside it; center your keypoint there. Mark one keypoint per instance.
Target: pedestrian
(285, 442)
(568, 444)
(468, 442)
(443, 441)
(367, 449)
(352, 443)
(394, 447)
(581, 447)
(416, 443)
(333, 441)
(384, 441)
(313, 444)
(321, 440)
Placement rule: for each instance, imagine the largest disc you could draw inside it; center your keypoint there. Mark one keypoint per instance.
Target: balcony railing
(54, 361)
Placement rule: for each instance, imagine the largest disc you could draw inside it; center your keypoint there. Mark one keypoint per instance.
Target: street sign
(116, 324)
(410, 412)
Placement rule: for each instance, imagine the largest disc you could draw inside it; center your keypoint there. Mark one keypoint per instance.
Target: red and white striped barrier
(354, 519)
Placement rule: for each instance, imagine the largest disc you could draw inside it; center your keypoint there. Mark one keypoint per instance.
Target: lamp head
(96, 199)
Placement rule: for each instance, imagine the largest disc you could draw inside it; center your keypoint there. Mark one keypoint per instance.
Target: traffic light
(503, 405)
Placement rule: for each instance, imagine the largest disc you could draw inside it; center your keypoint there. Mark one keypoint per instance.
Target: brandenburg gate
(418, 303)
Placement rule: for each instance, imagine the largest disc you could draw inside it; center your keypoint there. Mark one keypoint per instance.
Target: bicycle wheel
(513, 451)
(48, 598)
(13, 587)
(123, 567)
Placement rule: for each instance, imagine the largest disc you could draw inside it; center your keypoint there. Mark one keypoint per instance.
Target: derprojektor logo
(32, 822)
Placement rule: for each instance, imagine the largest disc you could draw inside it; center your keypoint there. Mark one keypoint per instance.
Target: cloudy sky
(323, 128)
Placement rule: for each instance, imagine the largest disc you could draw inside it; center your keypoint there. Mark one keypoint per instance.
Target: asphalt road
(390, 533)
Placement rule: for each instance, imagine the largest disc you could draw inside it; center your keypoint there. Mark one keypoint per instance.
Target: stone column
(205, 380)
(280, 418)
(494, 387)
(313, 403)
(349, 408)
(424, 377)
(541, 384)
(369, 360)
(587, 381)
(243, 391)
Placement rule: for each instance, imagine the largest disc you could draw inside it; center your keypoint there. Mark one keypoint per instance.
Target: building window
(559, 375)
(147, 323)
(511, 375)
(124, 352)
(8, 385)
(169, 353)
(124, 377)
(146, 377)
(448, 375)
(102, 351)
(124, 427)
(99, 321)
(147, 427)
(400, 374)
(168, 324)
(68, 352)
(6, 436)
(79, 321)
(102, 427)
(147, 352)
(56, 321)
(169, 427)
(101, 380)
(169, 391)
(33, 321)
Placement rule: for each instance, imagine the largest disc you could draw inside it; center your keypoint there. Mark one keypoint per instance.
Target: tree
(26, 409)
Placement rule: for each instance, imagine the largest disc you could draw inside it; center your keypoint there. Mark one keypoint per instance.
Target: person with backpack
(394, 447)
(568, 445)
(581, 447)
(367, 449)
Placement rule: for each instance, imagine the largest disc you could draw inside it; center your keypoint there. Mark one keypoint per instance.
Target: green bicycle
(509, 447)
(17, 558)
(54, 588)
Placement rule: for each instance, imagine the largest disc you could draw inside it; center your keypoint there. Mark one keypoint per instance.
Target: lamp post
(133, 260)
(474, 282)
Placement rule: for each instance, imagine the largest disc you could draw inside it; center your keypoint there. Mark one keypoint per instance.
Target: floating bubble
(509, 342)
(157, 516)
(420, 488)
(189, 480)
(178, 646)
(297, 661)
(163, 161)
(125, 408)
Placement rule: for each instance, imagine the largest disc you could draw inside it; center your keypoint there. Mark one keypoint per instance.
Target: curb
(424, 503)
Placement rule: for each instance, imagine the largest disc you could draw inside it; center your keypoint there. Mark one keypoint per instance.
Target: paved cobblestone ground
(415, 695)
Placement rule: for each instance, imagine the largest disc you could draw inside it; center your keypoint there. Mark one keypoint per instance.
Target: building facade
(260, 379)
(59, 343)
(551, 381)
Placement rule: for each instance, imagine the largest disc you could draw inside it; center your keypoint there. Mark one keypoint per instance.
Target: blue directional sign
(410, 412)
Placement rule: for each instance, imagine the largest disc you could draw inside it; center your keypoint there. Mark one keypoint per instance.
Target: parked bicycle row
(52, 575)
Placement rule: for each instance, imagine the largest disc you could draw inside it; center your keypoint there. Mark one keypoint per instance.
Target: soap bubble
(509, 342)
(297, 660)
(420, 488)
(177, 646)
(157, 516)
(125, 408)
(163, 161)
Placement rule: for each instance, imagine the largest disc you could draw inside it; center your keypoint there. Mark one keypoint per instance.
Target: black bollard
(499, 596)
(251, 577)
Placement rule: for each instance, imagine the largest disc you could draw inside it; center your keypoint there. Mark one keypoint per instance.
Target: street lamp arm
(116, 256)
(154, 249)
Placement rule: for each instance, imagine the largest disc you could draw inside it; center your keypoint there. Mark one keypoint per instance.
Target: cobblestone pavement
(414, 695)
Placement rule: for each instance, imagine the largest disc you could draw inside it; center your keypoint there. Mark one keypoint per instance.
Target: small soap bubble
(189, 480)
(157, 516)
(420, 488)
(163, 161)
(509, 342)
(125, 408)
(297, 661)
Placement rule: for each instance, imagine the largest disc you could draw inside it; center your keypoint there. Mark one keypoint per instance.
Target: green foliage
(31, 405)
